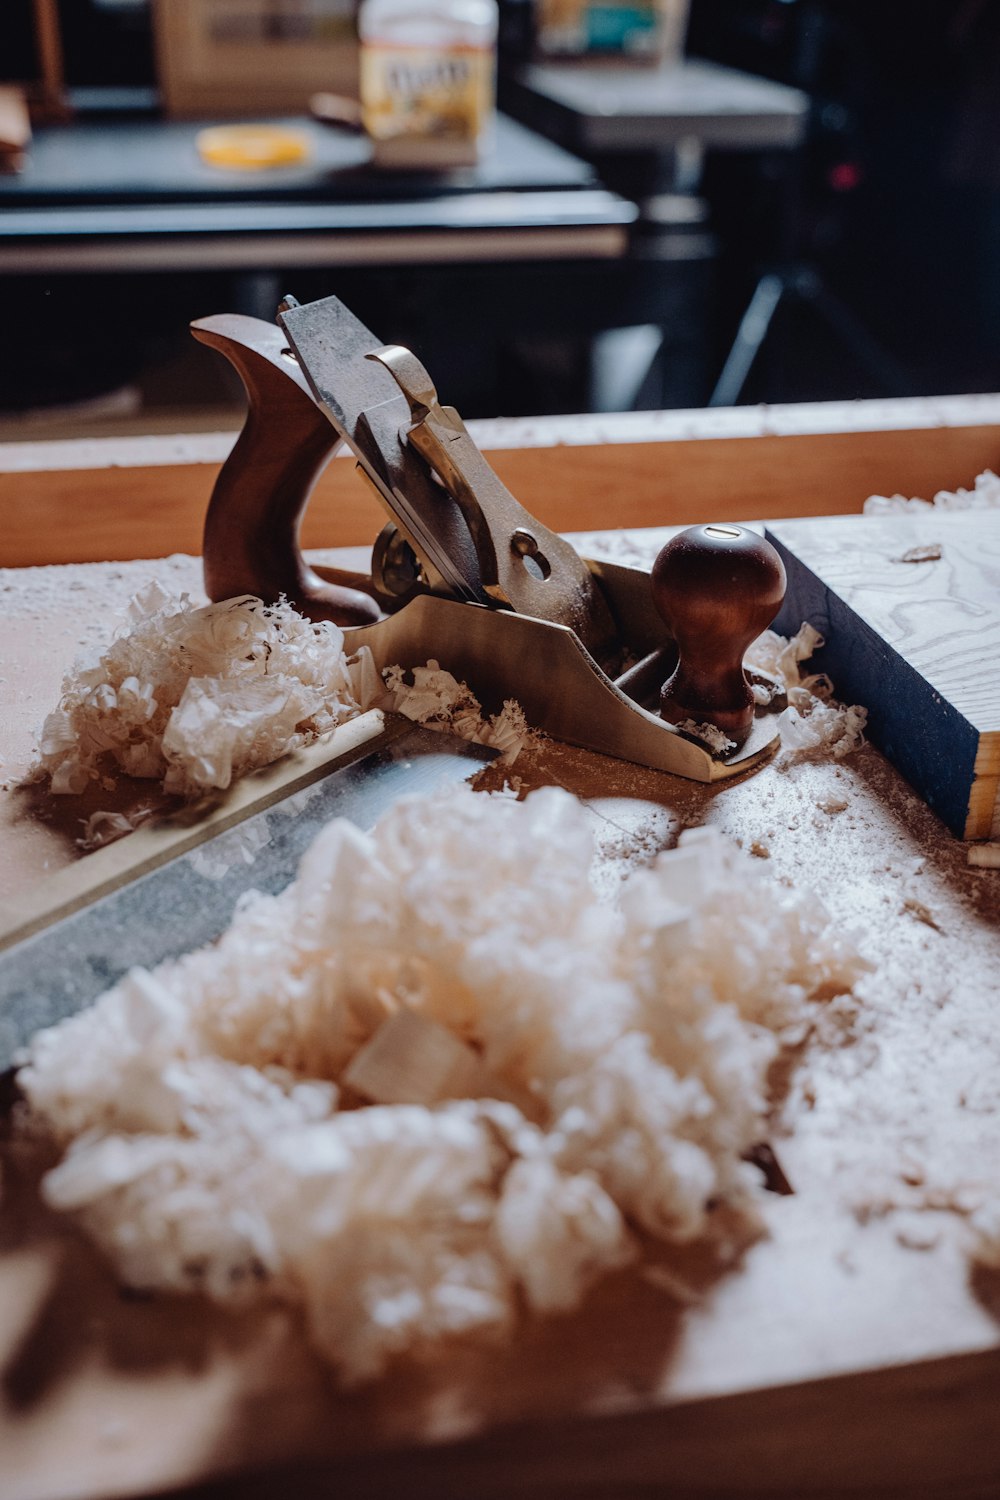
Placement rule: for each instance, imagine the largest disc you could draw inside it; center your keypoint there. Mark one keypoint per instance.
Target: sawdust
(895, 1102)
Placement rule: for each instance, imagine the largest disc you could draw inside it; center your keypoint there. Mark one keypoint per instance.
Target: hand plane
(627, 663)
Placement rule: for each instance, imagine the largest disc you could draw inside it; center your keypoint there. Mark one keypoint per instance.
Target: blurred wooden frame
(43, 91)
(15, 128)
(42, 97)
(204, 72)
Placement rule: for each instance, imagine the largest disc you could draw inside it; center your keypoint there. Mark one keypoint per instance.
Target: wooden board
(850, 1353)
(915, 642)
(146, 496)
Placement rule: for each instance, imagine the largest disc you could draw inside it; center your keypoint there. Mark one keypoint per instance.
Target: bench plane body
(461, 573)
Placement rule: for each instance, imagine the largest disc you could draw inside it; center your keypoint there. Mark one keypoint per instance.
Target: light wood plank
(126, 498)
(15, 127)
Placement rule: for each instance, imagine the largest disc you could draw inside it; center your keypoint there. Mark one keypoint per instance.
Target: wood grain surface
(917, 642)
(851, 1352)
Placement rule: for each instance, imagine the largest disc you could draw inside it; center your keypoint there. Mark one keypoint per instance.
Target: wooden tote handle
(251, 543)
(716, 587)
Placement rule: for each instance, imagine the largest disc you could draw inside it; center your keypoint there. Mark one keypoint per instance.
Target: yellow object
(252, 148)
(426, 77)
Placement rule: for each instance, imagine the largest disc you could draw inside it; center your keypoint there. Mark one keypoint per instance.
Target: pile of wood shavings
(213, 1115)
(812, 720)
(437, 700)
(194, 698)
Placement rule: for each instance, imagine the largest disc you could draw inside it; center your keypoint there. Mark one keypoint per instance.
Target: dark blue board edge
(925, 737)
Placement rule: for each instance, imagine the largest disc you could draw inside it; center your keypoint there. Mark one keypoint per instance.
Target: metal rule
(190, 901)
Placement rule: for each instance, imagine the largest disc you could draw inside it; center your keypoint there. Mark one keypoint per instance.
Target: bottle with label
(427, 79)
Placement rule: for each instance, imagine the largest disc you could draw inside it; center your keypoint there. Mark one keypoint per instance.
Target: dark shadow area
(80, 1311)
(894, 200)
(67, 816)
(880, 219)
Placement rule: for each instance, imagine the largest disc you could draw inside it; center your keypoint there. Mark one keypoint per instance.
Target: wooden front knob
(716, 587)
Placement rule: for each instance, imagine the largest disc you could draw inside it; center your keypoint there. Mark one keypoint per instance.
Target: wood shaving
(914, 1232)
(781, 658)
(827, 728)
(922, 912)
(106, 827)
(930, 552)
(194, 698)
(434, 698)
(202, 1116)
(832, 805)
(709, 734)
(984, 495)
(812, 723)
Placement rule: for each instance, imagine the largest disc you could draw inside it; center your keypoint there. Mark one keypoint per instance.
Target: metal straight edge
(181, 893)
(155, 843)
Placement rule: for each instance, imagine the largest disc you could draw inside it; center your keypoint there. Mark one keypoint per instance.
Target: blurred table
(601, 107)
(117, 234)
(135, 195)
(647, 130)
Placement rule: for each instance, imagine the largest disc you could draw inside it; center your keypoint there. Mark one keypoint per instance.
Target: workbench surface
(852, 1351)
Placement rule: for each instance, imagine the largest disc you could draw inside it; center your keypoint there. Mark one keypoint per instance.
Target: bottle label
(436, 93)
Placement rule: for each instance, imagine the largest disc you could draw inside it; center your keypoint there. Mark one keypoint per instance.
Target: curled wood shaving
(931, 552)
(985, 856)
(194, 698)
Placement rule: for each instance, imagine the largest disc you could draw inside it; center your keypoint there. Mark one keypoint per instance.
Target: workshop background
(859, 256)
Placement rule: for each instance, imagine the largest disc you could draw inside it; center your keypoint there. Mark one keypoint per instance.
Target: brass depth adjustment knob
(716, 587)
